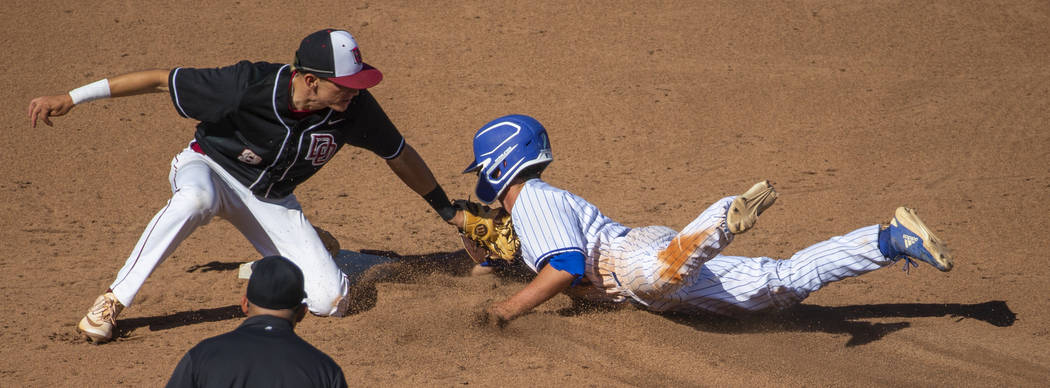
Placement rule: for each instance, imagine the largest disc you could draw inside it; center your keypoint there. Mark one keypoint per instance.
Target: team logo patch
(357, 55)
(249, 157)
(322, 148)
(481, 230)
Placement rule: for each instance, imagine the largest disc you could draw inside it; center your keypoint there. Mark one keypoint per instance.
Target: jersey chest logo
(322, 148)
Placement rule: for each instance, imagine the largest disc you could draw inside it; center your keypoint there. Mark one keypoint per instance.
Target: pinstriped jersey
(549, 221)
(248, 127)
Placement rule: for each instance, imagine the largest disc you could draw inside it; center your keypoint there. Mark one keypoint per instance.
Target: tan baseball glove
(488, 234)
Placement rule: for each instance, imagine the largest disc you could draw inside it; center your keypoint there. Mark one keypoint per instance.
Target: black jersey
(263, 352)
(247, 126)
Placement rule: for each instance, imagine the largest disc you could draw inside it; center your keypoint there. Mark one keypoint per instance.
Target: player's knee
(328, 301)
(653, 288)
(327, 307)
(195, 200)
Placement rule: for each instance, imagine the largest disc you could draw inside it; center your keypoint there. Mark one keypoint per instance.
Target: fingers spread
(32, 113)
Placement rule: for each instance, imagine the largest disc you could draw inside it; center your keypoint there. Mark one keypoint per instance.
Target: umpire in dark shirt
(264, 351)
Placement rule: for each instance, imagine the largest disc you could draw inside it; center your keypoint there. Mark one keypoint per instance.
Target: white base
(245, 271)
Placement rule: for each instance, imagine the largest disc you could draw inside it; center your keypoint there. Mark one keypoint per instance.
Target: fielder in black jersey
(283, 147)
(264, 129)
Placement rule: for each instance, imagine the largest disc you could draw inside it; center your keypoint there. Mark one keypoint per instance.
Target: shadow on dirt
(845, 319)
(163, 322)
(410, 268)
(215, 266)
(402, 268)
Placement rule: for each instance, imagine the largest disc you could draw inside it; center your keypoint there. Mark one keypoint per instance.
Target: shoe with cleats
(910, 237)
(745, 209)
(97, 325)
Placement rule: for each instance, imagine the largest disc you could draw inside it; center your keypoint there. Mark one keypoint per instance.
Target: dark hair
(533, 171)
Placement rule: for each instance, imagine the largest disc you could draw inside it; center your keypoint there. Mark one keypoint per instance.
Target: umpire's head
(275, 288)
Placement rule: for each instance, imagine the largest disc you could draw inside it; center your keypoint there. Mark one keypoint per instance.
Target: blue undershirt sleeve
(571, 262)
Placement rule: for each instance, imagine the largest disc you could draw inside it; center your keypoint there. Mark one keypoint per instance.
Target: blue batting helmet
(504, 147)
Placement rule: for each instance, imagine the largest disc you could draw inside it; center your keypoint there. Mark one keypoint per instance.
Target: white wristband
(92, 91)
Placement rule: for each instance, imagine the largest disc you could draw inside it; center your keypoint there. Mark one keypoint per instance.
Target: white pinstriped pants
(670, 271)
(201, 190)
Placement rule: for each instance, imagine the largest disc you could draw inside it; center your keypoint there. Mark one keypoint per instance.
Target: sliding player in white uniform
(574, 248)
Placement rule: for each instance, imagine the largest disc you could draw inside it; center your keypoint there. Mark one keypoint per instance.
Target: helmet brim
(474, 166)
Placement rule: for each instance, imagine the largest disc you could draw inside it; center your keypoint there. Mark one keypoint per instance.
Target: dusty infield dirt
(654, 110)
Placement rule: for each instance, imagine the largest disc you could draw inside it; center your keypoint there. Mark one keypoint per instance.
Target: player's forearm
(148, 81)
(412, 170)
(139, 82)
(548, 283)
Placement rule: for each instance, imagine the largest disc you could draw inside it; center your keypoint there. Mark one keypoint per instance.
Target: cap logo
(357, 55)
(346, 55)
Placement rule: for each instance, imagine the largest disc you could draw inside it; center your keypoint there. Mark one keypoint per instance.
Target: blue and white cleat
(910, 237)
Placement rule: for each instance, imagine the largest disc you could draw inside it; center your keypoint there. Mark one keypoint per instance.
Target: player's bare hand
(491, 316)
(43, 108)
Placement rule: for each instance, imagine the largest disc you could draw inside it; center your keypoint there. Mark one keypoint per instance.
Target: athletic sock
(885, 246)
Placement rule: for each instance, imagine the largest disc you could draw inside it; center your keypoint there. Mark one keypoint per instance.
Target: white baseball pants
(201, 189)
(669, 271)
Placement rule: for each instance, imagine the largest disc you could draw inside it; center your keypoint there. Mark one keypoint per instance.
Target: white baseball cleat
(97, 325)
(746, 208)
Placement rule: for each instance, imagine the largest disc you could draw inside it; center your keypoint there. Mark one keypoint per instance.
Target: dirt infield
(655, 109)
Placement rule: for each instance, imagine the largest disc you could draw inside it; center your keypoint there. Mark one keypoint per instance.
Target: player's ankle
(886, 245)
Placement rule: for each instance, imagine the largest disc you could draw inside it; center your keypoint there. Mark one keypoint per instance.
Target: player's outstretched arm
(412, 170)
(548, 283)
(140, 82)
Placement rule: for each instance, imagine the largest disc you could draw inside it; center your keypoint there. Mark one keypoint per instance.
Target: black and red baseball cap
(333, 55)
